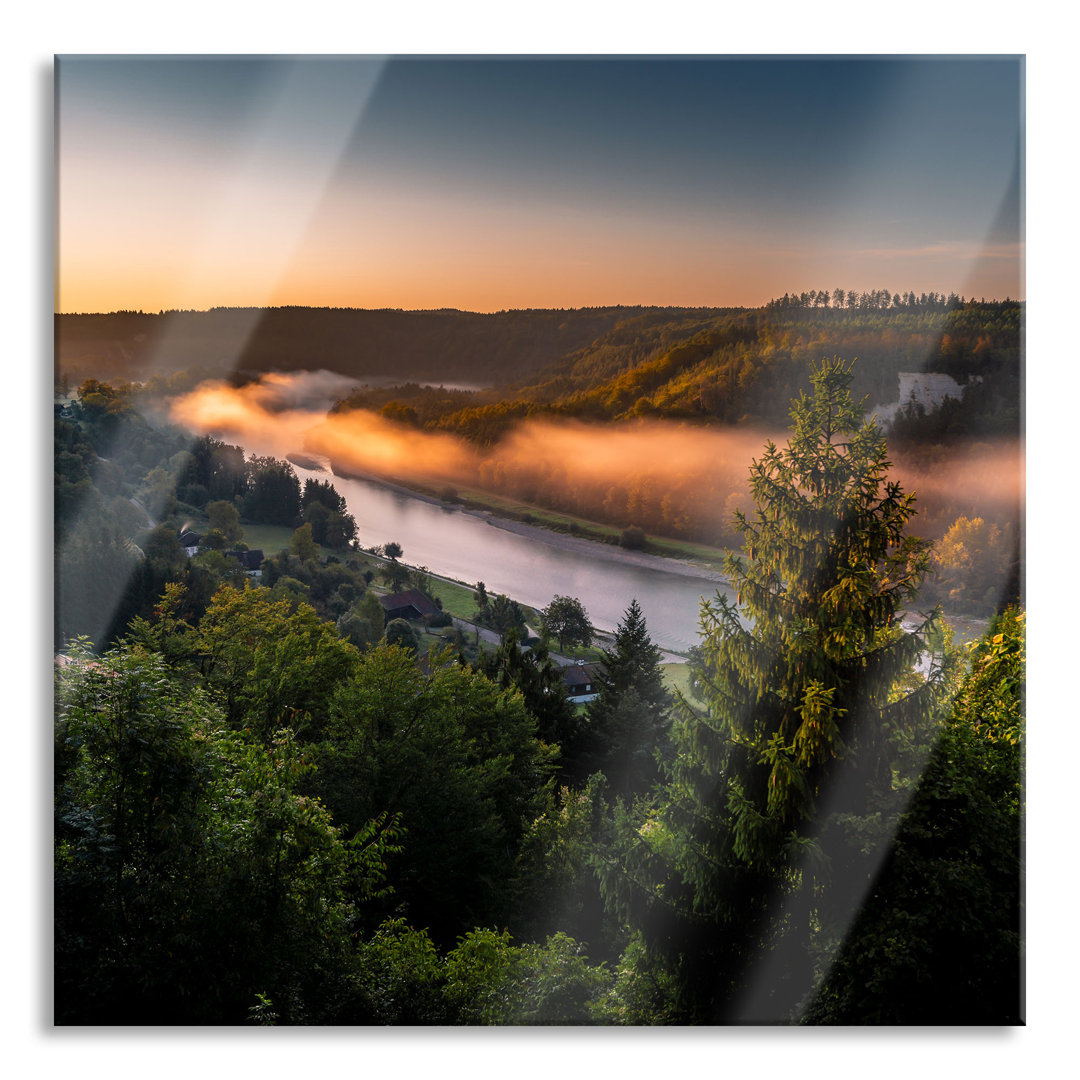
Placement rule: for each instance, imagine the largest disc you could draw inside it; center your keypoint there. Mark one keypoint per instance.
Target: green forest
(274, 807)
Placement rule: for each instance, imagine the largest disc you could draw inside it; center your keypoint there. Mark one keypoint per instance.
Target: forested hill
(744, 367)
(450, 345)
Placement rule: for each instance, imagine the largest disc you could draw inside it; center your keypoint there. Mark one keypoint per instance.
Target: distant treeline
(874, 300)
(704, 365)
(701, 368)
(445, 344)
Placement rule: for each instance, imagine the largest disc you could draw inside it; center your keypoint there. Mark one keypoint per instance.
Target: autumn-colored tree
(972, 560)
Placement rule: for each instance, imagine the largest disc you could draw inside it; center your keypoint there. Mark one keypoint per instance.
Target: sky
(490, 183)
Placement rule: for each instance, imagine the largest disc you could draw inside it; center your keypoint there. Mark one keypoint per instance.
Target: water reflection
(467, 547)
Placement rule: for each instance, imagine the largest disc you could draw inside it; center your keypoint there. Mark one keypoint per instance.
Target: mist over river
(277, 415)
(531, 569)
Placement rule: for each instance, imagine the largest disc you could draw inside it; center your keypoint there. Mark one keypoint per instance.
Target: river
(532, 569)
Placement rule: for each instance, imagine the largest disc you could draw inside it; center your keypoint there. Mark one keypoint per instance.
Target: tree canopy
(939, 938)
(566, 619)
(270, 808)
(191, 874)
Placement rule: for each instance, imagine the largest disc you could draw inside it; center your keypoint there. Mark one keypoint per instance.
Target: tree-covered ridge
(721, 371)
(712, 365)
(439, 345)
(742, 367)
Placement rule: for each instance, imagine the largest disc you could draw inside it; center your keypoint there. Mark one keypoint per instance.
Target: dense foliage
(126, 488)
(273, 807)
(191, 872)
(810, 698)
(939, 938)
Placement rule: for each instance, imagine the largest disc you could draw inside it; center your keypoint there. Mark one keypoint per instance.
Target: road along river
(530, 564)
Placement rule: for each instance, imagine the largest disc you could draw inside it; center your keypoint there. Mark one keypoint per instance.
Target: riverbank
(595, 550)
(685, 560)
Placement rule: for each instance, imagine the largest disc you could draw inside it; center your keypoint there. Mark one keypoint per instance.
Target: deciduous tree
(224, 518)
(273, 495)
(191, 875)
(302, 545)
(458, 760)
(275, 667)
(566, 618)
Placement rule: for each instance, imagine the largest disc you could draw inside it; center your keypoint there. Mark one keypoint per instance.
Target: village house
(580, 681)
(251, 561)
(190, 542)
(411, 606)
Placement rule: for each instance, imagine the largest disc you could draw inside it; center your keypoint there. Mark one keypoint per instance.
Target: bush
(632, 537)
(399, 632)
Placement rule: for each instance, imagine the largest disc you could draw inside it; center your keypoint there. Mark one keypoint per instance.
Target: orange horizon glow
(541, 278)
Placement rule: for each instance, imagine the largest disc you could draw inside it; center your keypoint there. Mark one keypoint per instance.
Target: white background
(32, 36)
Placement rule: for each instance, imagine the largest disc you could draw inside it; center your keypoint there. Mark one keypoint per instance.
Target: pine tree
(809, 688)
(538, 679)
(629, 722)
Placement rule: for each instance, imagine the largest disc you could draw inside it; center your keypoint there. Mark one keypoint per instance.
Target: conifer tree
(629, 721)
(532, 672)
(809, 687)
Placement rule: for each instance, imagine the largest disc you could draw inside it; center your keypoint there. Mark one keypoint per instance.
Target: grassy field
(458, 600)
(269, 539)
(590, 655)
(677, 677)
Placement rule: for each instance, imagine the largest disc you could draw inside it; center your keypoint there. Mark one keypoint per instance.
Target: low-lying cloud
(658, 474)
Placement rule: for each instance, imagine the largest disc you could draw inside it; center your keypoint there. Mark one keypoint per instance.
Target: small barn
(411, 606)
